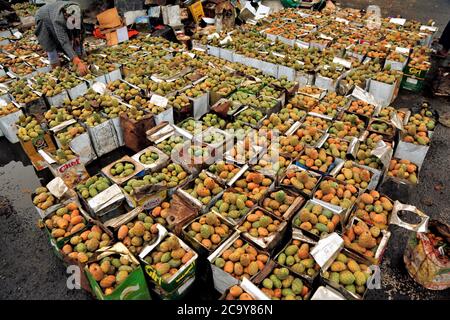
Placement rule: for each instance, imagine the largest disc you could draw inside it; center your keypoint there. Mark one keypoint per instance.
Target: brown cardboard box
(31, 149)
(109, 19)
(116, 36)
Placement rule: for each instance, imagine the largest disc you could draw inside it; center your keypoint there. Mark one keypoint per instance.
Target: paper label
(399, 21)
(159, 100)
(428, 28)
(327, 248)
(17, 34)
(343, 62)
(402, 50)
(99, 87)
(338, 19)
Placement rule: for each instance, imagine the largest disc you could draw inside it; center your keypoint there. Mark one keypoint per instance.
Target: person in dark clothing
(59, 28)
(444, 40)
(7, 13)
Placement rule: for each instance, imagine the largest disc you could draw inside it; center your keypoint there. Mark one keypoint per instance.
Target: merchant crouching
(59, 29)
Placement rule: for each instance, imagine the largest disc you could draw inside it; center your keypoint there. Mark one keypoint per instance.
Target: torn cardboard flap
(253, 290)
(57, 187)
(361, 94)
(396, 122)
(116, 222)
(384, 152)
(327, 293)
(327, 250)
(106, 198)
(118, 248)
(422, 226)
(62, 125)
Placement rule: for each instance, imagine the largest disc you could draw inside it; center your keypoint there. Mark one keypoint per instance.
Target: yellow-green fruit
(346, 277)
(360, 278)
(334, 276)
(342, 258)
(162, 268)
(338, 266)
(291, 250)
(353, 266)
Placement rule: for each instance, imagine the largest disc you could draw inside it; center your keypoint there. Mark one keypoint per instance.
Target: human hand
(82, 68)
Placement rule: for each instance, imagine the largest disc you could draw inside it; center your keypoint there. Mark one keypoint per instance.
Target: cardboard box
(117, 36)
(8, 126)
(32, 147)
(108, 202)
(223, 280)
(103, 137)
(134, 287)
(187, 270)
(138, 168)
(109, 19)
(134, 132)
(197, 245)
(72, 172)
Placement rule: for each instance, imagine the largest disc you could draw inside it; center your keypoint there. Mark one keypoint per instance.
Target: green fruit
(92, 192)
(282, 258)
(220, 262)
(291, 250)
(205, 231)
(81, 247)
(267, 283)
(116, 262)
(346, 277)
(298, 268)
(334, 277)
(342, 258)
(281, 273)
(276, 282)
(290, 261)
(360, 278)
(351, 288)
(297, 286)
(166, 257)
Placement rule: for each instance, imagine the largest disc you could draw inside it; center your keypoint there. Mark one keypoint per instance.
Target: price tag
(158, 80)
(198, 49)
(276, 54)
(3, 103)
(213, 35)
(159, 101)
(428, 28)
(347, 64)
(399, 21)
(190, 54)
(99, 87)
(46, 61)
(342, 20)
(402, 50)
(17, 34)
